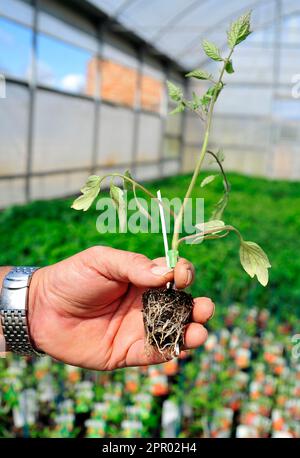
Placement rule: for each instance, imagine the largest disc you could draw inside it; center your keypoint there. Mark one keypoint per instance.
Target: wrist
(3, 272)
(32, 307)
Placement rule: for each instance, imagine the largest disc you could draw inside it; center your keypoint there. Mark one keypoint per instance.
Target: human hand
(86, 310)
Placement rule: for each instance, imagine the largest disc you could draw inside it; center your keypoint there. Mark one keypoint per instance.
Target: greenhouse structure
(83, 90)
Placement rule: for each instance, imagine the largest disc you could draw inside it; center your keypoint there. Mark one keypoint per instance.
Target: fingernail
(189, 277)
(213, 312)
(161, 270)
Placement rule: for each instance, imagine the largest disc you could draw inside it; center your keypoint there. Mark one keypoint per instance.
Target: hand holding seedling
(86, 310)
(166, 313)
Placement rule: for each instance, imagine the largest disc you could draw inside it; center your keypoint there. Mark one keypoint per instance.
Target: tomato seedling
(167, 311)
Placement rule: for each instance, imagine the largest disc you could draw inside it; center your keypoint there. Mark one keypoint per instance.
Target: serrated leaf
(207, 180)
(117, 196)
(126, 184)
(89, 191)
(211, 50)
(196, 102)
(229, 67)
(175, 92)
(199, 74)
(255, 261)
(239, 30)
(212, 92)
(179, 109)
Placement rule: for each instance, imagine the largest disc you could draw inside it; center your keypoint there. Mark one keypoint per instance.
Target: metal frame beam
(32, 100)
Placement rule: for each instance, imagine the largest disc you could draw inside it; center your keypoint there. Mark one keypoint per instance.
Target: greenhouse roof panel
(177, 27)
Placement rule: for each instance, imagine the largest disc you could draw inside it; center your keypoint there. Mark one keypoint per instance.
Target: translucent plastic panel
(189, 158)
(119, 51)
(193, 129)
(246, 71)
(115, 135)
(240, 131)
(171, 147)
(16, 9)
(289, 65)
(110, 6)
(173, 123)
(12, 192)
(234, 160)
(171, 167)
(287, 108)
(290, 29)
(243, 99)
(147, 172)
(290, 6)
(15, 49)
(59, 185)
(152, 67)
(254, 162)
(149, 138)
(63, 132)
(148, 17)
(49, 24)
(13, 130)
(63, 66)
(186, 35)
(283, 161)
(176, 27)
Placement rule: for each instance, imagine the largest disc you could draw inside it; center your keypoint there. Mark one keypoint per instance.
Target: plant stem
(226, 183)
(178, 219)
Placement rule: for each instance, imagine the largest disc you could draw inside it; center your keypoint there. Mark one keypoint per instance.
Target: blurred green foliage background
(265, 211)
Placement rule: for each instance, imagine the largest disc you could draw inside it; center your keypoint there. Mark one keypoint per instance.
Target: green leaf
(239, 30)
(211, 50)
(210, 225)
(126, 184)
(117, 196)
(199, 74)
(175, 92)
(179, 109)
(255, 261)
(89, 193)
(197, 101)
(212, 92)
(229, 67)
(207, 180)
(220, 207)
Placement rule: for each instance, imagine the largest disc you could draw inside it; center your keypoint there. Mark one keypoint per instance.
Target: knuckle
(137, 258)
(96, 250)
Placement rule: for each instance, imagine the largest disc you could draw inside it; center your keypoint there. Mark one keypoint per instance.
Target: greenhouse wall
(80, 96)
(79, 100)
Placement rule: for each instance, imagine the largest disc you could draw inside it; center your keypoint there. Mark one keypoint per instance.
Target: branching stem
(178, 219)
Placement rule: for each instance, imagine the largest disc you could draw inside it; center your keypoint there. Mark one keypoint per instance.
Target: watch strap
(13, 310)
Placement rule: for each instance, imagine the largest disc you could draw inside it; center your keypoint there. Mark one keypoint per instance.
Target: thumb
(129, 267)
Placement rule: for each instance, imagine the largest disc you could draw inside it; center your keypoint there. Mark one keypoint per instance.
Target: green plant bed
(44, 232)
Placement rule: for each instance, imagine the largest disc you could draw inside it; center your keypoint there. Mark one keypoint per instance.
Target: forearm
(3, 272)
